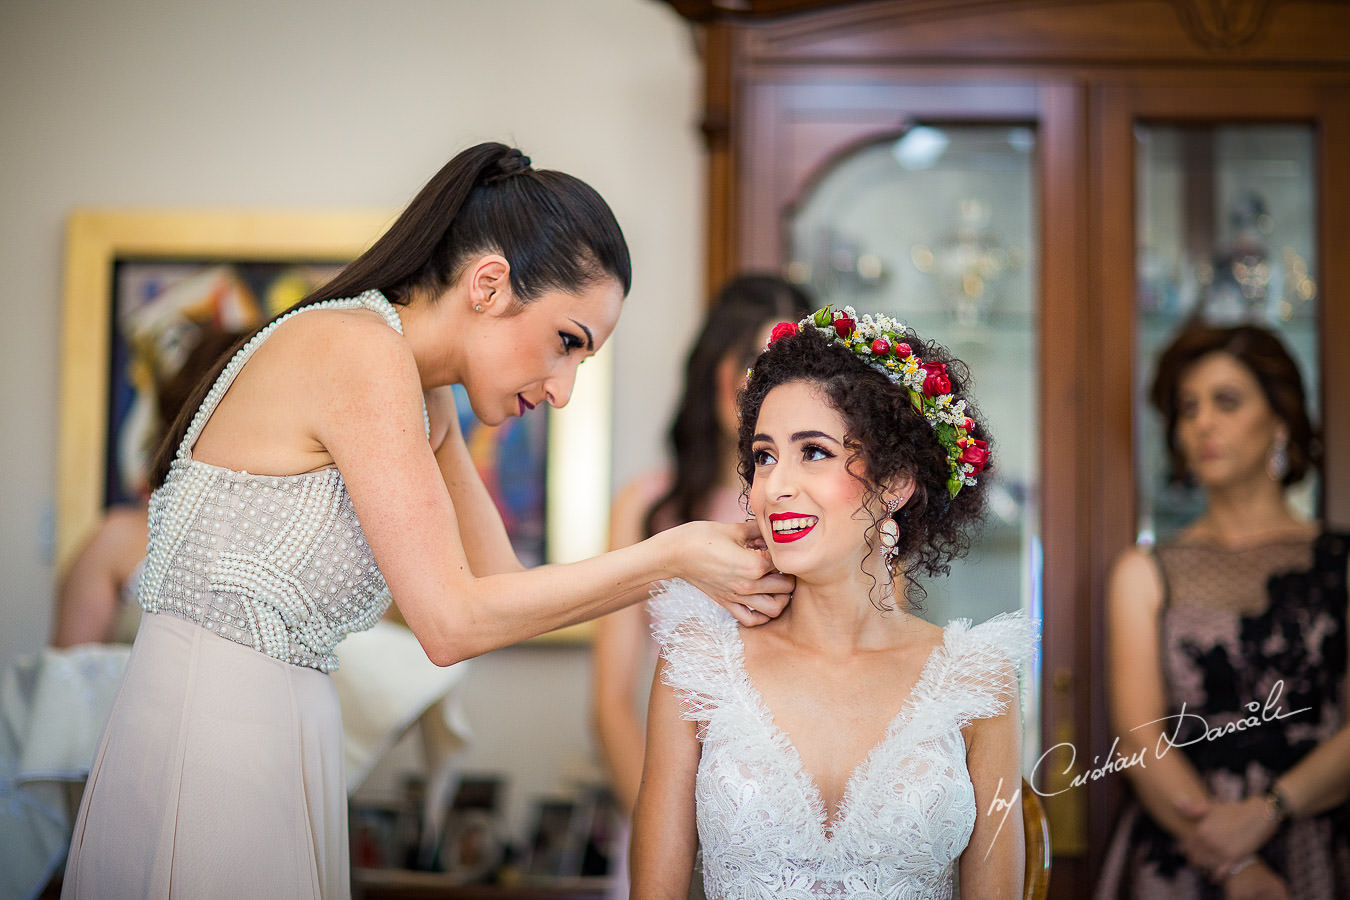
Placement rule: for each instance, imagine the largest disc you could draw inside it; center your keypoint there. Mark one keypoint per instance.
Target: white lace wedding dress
(908, 808)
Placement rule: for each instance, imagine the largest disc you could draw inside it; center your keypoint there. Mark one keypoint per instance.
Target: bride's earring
(889, 530)
(890, 534)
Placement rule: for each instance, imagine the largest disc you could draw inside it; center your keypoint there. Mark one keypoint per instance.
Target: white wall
(332, 104)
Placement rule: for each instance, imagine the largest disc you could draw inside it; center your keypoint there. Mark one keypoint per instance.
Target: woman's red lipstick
(807, 523)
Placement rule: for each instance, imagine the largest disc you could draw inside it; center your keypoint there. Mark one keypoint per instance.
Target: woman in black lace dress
(1227, 649)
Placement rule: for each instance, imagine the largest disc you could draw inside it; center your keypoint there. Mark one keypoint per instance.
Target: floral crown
(880, 341)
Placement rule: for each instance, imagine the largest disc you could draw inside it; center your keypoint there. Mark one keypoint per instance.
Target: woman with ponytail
(320, 473)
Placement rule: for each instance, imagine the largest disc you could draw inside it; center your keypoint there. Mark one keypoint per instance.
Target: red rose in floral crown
(782, 330)
(976, 453)
(844, 325)
(935, 380)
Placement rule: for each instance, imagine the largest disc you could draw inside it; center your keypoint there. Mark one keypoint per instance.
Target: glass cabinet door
(1226, 234)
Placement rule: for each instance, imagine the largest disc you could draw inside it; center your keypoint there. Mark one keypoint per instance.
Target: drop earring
(890, 534)
(1277, 461)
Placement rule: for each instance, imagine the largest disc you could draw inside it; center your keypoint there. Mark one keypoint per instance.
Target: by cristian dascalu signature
(1259, 714)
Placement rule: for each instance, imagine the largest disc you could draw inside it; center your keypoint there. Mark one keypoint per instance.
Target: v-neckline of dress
(830, 826)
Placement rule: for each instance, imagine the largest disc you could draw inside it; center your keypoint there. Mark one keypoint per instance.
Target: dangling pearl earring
(1277, 462)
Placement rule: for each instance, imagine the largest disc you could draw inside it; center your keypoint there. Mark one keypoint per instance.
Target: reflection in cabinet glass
(938, 227)
(1226, 233)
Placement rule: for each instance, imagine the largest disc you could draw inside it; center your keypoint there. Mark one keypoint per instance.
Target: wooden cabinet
(794, 87)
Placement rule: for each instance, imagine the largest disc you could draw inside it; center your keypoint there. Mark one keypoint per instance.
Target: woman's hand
(1256, 881)
(1228, 833)
(719, 559)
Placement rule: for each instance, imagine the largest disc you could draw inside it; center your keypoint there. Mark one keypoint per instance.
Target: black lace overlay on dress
(1258, 633)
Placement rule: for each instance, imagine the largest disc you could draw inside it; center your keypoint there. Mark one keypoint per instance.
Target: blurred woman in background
(1240, 621)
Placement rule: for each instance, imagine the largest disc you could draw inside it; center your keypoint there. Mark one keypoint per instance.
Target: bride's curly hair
(888, 437)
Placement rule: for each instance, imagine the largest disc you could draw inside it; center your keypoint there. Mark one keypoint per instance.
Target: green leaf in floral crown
(954, 485)
(946, 433)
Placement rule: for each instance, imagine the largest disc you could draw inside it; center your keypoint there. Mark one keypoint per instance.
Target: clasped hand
(1224, 835)
(730, 564)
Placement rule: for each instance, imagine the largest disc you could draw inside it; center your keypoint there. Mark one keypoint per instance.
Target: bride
(848, 748)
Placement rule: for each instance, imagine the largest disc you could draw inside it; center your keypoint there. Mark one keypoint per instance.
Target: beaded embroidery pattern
(908, 810)
(278, 563)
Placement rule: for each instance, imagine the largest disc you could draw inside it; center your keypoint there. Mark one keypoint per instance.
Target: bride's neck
(841, 615)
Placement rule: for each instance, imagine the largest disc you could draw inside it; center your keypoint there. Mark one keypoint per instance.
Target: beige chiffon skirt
(220, 774)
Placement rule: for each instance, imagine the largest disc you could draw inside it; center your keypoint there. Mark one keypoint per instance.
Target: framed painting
(147, 292)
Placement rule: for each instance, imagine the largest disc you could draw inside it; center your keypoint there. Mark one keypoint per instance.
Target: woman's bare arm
(665, 830)
(89, 598)
(480, 523)
(618, 653)
(1167, 785)
(369, 419)
(616, 656)
(992, 863)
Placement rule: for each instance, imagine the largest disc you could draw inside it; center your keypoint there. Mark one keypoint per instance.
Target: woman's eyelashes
(815, 452)
(570, 342)
(810, 453)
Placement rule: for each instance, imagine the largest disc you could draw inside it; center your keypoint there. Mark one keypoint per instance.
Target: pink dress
(220, 772)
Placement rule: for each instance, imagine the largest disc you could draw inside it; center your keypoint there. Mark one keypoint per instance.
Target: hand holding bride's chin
(722, 561)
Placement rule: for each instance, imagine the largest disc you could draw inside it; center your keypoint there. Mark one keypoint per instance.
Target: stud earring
(892, 505)
(478, 307)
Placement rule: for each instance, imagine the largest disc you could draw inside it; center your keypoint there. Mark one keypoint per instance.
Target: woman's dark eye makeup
(761, 457)
(1227, 400)
(815, 452)
(570, 342)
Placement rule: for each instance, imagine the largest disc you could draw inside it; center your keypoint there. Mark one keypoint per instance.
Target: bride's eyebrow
(813, 435)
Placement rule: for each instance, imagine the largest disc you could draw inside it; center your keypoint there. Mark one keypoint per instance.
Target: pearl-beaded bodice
(275, 562)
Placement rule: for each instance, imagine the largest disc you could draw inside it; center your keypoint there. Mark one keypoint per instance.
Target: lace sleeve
(700, 645)
(981, 666)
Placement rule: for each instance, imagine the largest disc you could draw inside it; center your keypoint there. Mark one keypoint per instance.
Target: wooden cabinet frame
(790, 84)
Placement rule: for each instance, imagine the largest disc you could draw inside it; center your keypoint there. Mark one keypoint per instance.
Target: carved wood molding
(1215, 26)
(1224, 24)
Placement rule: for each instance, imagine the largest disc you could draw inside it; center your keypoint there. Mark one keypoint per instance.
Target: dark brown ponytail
(557, 233)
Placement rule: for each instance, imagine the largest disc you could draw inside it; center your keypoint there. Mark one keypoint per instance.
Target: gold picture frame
(577, 479)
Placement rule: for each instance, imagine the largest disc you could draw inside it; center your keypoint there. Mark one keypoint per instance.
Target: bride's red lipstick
(794, 536)
(524, 404)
